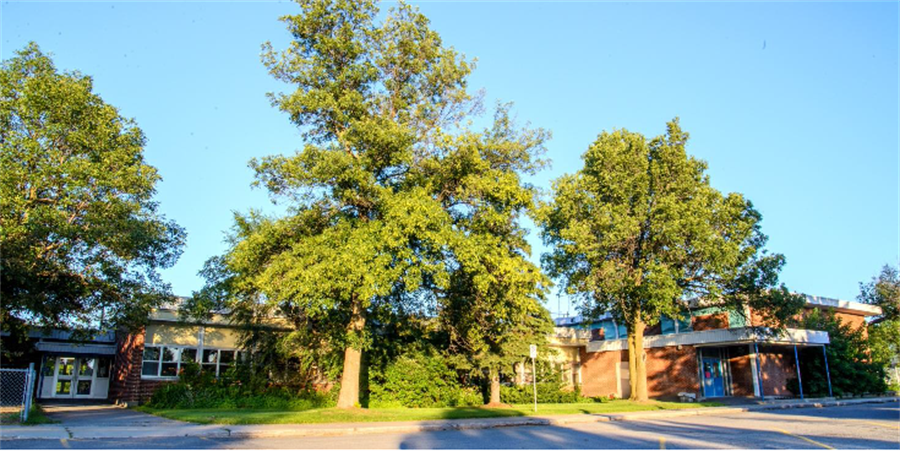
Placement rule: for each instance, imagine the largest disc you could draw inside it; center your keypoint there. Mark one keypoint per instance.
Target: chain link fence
(16, 388)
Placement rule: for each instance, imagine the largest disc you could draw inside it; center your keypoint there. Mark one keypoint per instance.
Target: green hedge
(200, 391)
(420, 380)
(547, 392)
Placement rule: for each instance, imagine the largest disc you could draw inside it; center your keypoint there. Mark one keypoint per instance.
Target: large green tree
(851, 365)
(80, 233)
(492, 309)
(375, 209)
(884, 331)
(884, 291)
(639, 231)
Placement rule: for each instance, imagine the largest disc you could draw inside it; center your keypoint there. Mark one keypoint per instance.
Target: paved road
(852, 427)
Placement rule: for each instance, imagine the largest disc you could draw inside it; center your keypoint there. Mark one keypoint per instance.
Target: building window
(103, 365)
(167, 361)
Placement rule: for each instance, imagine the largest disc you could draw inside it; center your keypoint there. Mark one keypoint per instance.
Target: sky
(795, 105)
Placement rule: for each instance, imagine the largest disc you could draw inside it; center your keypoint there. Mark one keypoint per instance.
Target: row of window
(610, 330)
(166, 361)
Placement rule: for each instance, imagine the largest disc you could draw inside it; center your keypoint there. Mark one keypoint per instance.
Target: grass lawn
(332, 415)
(35, 416)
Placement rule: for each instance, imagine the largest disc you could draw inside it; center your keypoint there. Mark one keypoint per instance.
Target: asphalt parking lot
(866, 426)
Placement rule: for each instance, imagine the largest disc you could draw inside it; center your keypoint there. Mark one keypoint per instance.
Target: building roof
(821, 302)
(719, 337)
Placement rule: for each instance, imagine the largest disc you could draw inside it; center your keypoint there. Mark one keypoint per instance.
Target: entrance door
(713, 381)
(74, 377)
(64, 377)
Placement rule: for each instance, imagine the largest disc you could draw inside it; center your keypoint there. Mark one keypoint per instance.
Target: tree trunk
(632, 359)
(349, 395)
(495, 387)
(637, 364)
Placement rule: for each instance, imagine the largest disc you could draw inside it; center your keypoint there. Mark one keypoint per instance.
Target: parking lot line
(804, 438)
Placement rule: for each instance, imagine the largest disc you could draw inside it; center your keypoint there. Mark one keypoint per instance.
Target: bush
(852, 370)
(196, 390)
(547, 392)
(420, 380)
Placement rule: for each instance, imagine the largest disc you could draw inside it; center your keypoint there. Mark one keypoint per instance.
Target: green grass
(35, 416)
(332, 415)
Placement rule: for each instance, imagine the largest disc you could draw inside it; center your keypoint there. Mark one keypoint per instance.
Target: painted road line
(804, 438)
(884, 425)
(662, 443)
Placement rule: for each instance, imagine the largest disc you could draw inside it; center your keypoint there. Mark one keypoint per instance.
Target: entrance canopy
(75, 348)
(720, 337)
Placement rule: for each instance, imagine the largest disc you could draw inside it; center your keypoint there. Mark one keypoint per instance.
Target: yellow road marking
(65, 443)
(889, 426)
(804, 438)
(662, 443)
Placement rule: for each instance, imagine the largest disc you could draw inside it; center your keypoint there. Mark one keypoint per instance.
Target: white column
(753, 368)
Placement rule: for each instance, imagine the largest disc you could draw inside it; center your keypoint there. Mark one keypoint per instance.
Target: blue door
(713, 382)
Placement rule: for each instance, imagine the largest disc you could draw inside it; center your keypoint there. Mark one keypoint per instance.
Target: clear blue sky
(795, 105)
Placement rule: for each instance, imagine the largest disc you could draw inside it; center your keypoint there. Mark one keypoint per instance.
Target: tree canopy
(884, 291)
(639, 231)
(391, 194)
(81, 236)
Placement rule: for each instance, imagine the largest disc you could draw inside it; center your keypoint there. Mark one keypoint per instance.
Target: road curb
(298, 431)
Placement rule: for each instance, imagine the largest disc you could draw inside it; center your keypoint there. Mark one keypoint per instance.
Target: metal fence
(16, 390)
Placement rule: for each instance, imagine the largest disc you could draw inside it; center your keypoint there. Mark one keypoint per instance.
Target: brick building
(709, 353)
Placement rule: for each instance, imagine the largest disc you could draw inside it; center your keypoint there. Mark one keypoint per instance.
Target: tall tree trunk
(349, 395)
(639, 376)
(495, 387)
(632, 363)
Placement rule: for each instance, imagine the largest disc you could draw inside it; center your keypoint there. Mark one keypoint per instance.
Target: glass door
(74, 377)
(64, 377)
(84, 382)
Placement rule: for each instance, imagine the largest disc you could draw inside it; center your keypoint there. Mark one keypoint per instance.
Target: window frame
(179, 351)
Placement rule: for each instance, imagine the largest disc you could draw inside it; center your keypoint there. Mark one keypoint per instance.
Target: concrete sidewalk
(180, 429)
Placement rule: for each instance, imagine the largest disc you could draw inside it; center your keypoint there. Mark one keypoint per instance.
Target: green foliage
(420, 380)
(883, 291)
(81, 236)
(852, 370)
(395, 207)
(884, 342)
(197, 390)
(639, 229)
(547, 392)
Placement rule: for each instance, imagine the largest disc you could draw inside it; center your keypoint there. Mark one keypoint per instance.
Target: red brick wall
(671, 370)
(777, 367)
(126, 384)
(741, 371)
(709, 322)
(598, 372)
(855, 321)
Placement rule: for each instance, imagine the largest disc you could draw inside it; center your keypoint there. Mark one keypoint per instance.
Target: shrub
(547, 392)
(196, 390)
(853, 372)
(419, 380)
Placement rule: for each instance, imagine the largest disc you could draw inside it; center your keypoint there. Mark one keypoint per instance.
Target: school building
(707, 354)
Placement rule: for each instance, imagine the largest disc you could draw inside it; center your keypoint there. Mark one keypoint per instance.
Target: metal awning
(719, 337)
(75, 348)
